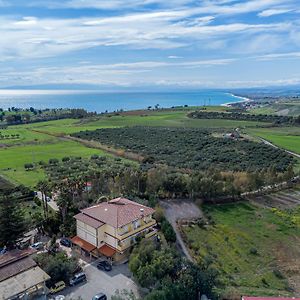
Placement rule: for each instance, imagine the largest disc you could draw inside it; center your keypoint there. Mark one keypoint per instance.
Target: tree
(59, 266)
(43, 187)
(12, 221)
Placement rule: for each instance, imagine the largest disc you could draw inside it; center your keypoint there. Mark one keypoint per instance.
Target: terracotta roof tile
(118, 212)
(107, 250)
(88, 220)
(83, 244)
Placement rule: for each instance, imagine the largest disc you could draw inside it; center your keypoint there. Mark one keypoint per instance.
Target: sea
(95, 101)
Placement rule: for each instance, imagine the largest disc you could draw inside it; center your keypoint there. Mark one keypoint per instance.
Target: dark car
(100, 296)
(104, 265)
(78, 278)
(65, 242)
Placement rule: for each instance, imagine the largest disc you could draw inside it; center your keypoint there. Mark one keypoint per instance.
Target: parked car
(78, 278)
(48, 199)
(37, 246)
(3, 250)
(65, 242)
(100, 296)
(104, 265)
(59, 286)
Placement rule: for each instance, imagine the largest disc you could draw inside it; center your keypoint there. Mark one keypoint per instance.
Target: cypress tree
(12, 221)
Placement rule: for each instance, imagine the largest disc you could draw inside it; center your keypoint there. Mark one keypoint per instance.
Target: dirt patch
(287, 199)
(176, 210)
(288, 258)
(181, 210)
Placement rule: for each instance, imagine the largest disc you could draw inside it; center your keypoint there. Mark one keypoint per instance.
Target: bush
(28, 166)
(168, 231)
(65, 159)
(53, 161)
(253, 251)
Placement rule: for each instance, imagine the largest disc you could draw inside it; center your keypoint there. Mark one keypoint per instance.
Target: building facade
(111, 228)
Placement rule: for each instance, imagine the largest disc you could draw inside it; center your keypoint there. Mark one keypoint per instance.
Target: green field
(12, 159)
(284, 137)
(242, 244)
(40, 141)
(166, 119)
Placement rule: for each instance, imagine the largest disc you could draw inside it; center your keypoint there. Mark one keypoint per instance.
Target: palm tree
(43, 187)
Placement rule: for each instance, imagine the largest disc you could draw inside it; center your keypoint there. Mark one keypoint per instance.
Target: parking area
(118, 278)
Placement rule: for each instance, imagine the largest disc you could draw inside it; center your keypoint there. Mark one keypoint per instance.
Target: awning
(83, 244)
(107, 251)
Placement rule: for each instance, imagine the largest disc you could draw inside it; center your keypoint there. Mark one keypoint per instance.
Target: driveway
(176, 210)
(99, 281)
(50, 203)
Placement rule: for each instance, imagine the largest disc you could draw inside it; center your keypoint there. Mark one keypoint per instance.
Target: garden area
(241, 243)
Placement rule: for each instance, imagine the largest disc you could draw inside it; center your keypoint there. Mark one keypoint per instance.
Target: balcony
(132, 230)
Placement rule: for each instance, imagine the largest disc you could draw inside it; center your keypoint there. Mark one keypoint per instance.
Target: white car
(37, 246)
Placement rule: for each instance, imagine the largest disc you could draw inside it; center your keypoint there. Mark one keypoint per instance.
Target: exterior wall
(122, 239)
(86, 232)
(101, 235)
(110, 236)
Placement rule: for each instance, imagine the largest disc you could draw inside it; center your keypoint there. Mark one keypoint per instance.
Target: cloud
(174, 57)
(32, 37)
(273, 12)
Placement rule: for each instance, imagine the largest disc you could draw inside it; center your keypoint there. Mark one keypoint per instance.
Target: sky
(150, 43)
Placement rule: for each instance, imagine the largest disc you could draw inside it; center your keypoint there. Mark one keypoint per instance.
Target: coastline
(242, 100)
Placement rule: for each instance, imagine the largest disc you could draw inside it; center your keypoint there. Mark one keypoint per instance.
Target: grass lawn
(25, 136)
(12, 159)
(284, 137)
(242, 244)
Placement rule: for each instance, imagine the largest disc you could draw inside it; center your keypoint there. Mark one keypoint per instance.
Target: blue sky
(150, 43)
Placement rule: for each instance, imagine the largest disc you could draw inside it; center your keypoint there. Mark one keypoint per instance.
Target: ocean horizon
(112, 101)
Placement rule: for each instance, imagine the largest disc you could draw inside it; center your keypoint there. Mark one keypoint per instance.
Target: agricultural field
(172, 118)
(191, 148)
(12, 159)
(285, 137)
(254, 249)
(32, 142)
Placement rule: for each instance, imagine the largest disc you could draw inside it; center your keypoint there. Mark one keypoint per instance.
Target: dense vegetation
(13, 222)
(168, 276)
(191, 148)
(58, 266)
(242, 242)
(275, 119)
(14, 116)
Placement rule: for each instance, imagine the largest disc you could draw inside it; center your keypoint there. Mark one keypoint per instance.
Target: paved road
(176, 210)
(50, 203)
(100, 281)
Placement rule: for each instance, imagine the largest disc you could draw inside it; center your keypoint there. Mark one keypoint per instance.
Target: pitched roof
(14, 255)
(21, 282)
(16, 267)
(118, 212)
(88, 220)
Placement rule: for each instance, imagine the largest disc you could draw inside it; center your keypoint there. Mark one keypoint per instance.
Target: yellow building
(111, 228)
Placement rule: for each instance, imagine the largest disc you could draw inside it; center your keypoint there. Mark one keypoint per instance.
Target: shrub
(53, 161)
(253, 251)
